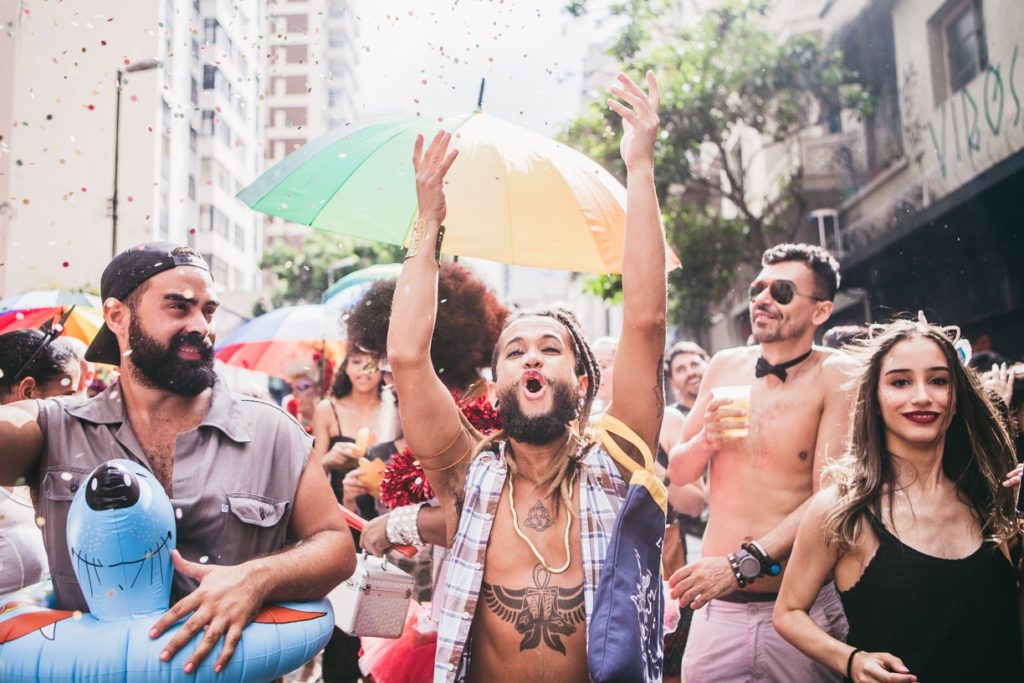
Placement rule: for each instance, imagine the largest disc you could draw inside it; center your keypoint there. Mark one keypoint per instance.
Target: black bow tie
(763, 367)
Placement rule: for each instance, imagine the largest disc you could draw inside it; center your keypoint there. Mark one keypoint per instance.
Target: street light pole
(144, 65)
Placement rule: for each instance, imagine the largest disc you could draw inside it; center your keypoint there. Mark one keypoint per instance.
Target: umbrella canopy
(349, 289)
(83, 323)
(514, 196)
(363, 276)
(50, 298)
(277, 340)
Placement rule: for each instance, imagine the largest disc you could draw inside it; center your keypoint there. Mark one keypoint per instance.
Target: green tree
(302, 275)
(719, 76)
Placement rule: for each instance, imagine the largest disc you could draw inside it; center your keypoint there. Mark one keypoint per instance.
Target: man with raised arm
(529, 509)
(240, 472)
(764, 468)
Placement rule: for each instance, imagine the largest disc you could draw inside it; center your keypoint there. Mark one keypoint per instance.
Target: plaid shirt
(602, 491)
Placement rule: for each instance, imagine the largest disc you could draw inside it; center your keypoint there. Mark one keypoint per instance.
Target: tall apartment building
(189, 136)
(310, 81)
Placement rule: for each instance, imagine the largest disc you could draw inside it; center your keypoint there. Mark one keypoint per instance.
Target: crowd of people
(820, 512)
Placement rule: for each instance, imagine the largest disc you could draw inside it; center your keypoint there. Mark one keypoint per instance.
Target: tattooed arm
(430, 418)
(637, 396)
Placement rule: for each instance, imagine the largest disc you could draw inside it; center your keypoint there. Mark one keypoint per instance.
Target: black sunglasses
(782, 291)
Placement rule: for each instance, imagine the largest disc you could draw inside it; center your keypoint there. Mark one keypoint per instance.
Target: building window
(207, 122)
(218, 222)
(219, 270)
(289, 117)
(194, 90)
(193, 140)
(296, 54)
(966, 53)
(294, 85)
(210, 31)
(240, 237)
(209, 76)
(191, 187)
(223, 132)
(296, 23)
(957, 46)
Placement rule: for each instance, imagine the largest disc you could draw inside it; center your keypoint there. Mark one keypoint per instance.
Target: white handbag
(374, 601)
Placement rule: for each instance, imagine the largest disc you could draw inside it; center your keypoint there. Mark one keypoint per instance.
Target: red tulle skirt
(406, 659)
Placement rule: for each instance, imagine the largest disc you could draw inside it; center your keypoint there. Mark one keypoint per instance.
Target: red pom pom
(482, 415)
(404, 482)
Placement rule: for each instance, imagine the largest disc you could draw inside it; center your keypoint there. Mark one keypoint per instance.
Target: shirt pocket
(61, 484)
(257, 510)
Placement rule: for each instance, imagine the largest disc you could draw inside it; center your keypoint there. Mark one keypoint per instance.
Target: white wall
(60, 140)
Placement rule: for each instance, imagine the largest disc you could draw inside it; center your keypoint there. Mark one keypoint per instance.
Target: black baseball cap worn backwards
(124, 274)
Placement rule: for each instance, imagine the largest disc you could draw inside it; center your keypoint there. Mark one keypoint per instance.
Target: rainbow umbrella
(514, 196)
(277, 340)
(350, 289)
(82, 324)
(50, 298)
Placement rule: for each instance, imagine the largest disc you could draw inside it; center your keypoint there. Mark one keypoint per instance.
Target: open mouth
(533, 385)
(190, 352)
(922, 417)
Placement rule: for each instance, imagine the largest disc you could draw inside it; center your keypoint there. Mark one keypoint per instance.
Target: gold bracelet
(419, 232)
(419, 229)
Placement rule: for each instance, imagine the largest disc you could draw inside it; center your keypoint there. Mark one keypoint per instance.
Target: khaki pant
(735, 643)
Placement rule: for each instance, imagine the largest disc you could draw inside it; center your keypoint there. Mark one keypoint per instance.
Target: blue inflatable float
(120, 533)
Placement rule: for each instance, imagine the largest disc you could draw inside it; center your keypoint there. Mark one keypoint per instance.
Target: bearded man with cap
(248, 492)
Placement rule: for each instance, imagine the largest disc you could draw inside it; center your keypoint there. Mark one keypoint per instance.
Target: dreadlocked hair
(557, 480)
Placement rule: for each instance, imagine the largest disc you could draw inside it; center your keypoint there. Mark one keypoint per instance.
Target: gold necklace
(536, 553)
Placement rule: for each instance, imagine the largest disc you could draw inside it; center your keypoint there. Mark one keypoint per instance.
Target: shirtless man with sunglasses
(759, 483)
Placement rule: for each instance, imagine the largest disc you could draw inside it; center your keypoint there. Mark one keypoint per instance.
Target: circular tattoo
(538, 518)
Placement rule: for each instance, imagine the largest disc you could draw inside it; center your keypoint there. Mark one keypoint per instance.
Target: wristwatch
(747, 566)
(769, 567)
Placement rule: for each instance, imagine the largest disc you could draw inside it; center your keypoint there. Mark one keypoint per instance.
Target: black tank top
(948, 620)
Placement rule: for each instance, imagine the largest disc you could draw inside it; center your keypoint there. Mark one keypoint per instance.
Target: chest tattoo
(538, 518)
(541, 613)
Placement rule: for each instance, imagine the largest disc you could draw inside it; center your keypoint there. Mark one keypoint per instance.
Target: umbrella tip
(480, 96)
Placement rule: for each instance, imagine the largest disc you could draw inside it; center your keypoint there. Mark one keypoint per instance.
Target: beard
(540, 429)
(785, 330)
(160, 367)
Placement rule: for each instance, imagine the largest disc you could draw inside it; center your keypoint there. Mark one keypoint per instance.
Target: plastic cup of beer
(739, 399)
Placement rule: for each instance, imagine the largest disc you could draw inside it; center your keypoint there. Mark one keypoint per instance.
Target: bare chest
(531, 613)
(159, 445)
(784, 423)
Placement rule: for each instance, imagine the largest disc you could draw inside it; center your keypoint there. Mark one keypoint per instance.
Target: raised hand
(431, 168)
(640, 120)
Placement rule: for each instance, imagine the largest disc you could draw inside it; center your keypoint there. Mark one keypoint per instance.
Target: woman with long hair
(355, 404)
(917, 529)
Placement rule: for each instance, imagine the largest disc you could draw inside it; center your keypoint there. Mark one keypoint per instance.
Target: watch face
(750, 568)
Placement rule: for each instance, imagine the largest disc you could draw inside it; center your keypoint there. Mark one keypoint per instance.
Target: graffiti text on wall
(967, 120)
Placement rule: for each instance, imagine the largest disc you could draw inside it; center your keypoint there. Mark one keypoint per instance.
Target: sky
(430, 56)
